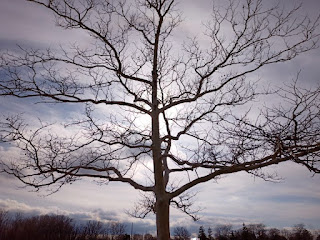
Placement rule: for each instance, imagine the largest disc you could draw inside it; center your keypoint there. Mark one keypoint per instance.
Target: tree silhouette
(247, 233)
(301, 233)
(223, 231)
(117, 230)
(46, 227)
(93, 230)
(4, 218)
(181, 233)
(172, 110)
(148, 236)
(210, 237)
(274, 234)
(60, 227)
(202, 234)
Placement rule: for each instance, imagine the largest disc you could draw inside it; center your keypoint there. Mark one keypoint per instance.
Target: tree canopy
(178, 112)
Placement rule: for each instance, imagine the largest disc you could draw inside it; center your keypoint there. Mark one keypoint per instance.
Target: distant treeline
(57, 227)
(255, 232)
(60, 227)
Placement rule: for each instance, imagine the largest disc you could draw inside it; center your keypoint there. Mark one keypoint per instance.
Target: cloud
(17, 207)
(281, 204)
(26, 22)
(29, 210)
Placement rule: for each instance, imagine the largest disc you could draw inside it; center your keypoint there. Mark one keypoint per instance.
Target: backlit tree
(174, 110)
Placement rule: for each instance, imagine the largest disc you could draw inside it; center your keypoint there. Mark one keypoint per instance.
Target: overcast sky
(234, 199)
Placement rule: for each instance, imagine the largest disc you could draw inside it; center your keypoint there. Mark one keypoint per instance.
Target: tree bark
(162, 198)
(162, 218)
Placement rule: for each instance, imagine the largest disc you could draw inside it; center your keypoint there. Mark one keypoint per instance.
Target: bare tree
(148, 236)
(177, 106)
(93, 230)
(4, 219)
(49, 227)
(181, 233)
(116, 230)
(137, 237)
(301, 233)
(258, 230)
(223, 230)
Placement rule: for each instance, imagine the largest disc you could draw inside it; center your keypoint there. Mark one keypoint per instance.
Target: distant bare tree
(4, 219)
(247, 233)
(301, 233)
(116, 230)
(93, 230)
(274, 234)
(223, 230)
(148, 236)
(178, 112)
(54, 227)
(181, 233)
(258, 230)
(137, 237)
(46, 227)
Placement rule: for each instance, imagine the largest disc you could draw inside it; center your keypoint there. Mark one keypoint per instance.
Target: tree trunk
(162, 218)
(162, 199)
